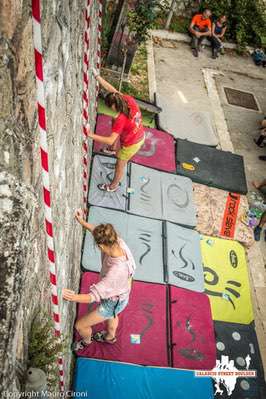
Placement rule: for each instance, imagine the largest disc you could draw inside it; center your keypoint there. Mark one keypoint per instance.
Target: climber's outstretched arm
(88, 226)
(70, 295)
(107, 86)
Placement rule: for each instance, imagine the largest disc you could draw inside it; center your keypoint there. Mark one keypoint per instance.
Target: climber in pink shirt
(113, 289)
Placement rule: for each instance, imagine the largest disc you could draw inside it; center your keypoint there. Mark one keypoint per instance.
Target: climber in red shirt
(127, 127)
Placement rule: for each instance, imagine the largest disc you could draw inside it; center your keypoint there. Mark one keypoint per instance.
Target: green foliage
(45, 348)
(179, 24)
(246, 19)
(141, 19)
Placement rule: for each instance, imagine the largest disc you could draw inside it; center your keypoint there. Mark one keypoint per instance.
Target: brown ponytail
(119, 102)
(105, 234)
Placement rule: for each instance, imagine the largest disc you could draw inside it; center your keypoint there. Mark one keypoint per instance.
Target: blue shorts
(110, 308)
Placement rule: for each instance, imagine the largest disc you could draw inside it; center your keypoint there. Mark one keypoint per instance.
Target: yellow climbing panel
(226, 280)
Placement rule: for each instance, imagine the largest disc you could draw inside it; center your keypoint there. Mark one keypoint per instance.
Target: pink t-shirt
(130, 130)
(115, 276)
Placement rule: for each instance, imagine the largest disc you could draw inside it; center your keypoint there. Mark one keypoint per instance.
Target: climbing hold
(135, 339)
(130, 190)
(143, 179)
(188, 166)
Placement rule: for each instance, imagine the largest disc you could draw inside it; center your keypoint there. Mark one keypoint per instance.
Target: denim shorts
(110, 308)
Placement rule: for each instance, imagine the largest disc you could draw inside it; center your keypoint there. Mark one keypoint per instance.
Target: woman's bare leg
(119, 172)
(84, 324)
(112, 325)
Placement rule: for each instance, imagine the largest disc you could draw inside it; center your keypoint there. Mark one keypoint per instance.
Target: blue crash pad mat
(108, 380)
(213, 167)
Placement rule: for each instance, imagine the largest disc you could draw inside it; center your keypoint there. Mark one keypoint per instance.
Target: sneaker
(195, 52)
(106, 187)
(79, 345)
(259, 145)
(257, 232)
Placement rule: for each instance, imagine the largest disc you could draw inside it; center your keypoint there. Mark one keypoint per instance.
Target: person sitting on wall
(127, 127)
(218, 31)
(261, 186)
(111, 292)
(262, 137)
(200, 27)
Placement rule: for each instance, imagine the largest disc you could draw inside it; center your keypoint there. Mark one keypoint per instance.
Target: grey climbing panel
(143, 237)
(184, 263)
(102, 172)
(161, 195)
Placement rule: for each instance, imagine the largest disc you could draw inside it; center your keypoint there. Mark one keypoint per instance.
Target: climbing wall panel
(238, 349)
(103, 172)
(193, 339)
(161, 195)
(184, 263)
(226, 280)
(142, 327)
(143, 236)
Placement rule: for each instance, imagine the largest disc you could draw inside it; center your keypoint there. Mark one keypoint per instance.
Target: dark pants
(196, 41)
(215, 43)
(260, 140)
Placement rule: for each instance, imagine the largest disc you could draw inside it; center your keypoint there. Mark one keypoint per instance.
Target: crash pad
(226, 280)
(143, 236)
(102, 172)
(99, 379)
(157, 152)
(186, 123)
(142, 327)
(222, 214)
(161, 195)
(212, 167)
(91, 258)
(184, 263)
(239, 344)
(193, 341)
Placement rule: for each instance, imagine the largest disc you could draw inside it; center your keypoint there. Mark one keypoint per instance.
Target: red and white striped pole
(98, 53)
(85, 99)
(37, 39)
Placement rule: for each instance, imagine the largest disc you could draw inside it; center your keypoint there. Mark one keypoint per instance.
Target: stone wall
(24, 283)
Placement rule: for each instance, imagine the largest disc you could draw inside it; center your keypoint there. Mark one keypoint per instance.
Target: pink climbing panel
(192, 330)
(142, 327)
(157, 152)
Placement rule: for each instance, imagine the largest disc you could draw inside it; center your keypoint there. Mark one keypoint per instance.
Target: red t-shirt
(202, 23)
(130, 130)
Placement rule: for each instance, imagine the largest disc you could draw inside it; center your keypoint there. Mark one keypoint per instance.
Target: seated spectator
(258, 229)
(218, 31)
(200, 27)
(260, 140)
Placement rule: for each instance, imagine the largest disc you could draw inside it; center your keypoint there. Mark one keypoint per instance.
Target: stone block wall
(24, 282)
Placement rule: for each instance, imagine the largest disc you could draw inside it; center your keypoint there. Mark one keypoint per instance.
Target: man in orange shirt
(200, 27)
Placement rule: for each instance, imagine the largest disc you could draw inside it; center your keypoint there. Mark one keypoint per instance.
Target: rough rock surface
(24, 283)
